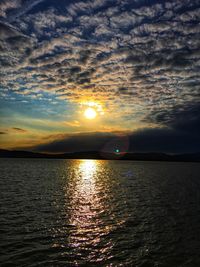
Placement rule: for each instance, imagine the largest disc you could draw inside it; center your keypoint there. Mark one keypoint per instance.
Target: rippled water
(99, 213)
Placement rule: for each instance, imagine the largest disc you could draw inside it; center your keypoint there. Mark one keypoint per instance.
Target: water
(99, 213)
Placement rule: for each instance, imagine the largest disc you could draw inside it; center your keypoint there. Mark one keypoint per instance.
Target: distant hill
(195, 157)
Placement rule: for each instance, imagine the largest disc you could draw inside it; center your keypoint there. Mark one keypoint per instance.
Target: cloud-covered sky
(137, 60)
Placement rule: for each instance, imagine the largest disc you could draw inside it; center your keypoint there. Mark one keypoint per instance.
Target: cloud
(14, 47)
(22, 8)
(8, 31)
(145, 140)
(19, 130)
(13, 130)
(7, 5)
(138, 57)
(181, 119)
(73, 124)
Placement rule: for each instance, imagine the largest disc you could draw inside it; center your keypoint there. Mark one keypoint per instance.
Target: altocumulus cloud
(142, 56)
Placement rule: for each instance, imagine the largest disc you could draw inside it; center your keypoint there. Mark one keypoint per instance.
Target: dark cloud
(19, 129)
(84, 56)
(75, 69)
(146, 140)
(79, 142)
(6, 5)
(7, 30)
(164, 140)
(184, 119)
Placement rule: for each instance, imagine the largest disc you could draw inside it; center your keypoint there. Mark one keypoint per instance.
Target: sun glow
(91, 109)
(90, 113)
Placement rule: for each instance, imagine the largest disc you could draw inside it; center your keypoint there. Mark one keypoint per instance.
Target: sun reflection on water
(88, 206)
(88, 168)
(89, 211)
(85, 202)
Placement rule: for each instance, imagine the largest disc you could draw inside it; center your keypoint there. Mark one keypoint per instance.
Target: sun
(90, 113)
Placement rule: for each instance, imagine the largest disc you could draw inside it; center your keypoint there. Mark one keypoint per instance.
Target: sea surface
(99, 213)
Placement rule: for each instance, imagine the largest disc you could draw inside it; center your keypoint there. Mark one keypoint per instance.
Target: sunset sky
(135, 63)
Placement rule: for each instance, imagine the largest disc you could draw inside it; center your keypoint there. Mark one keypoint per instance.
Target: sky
(136, 63)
